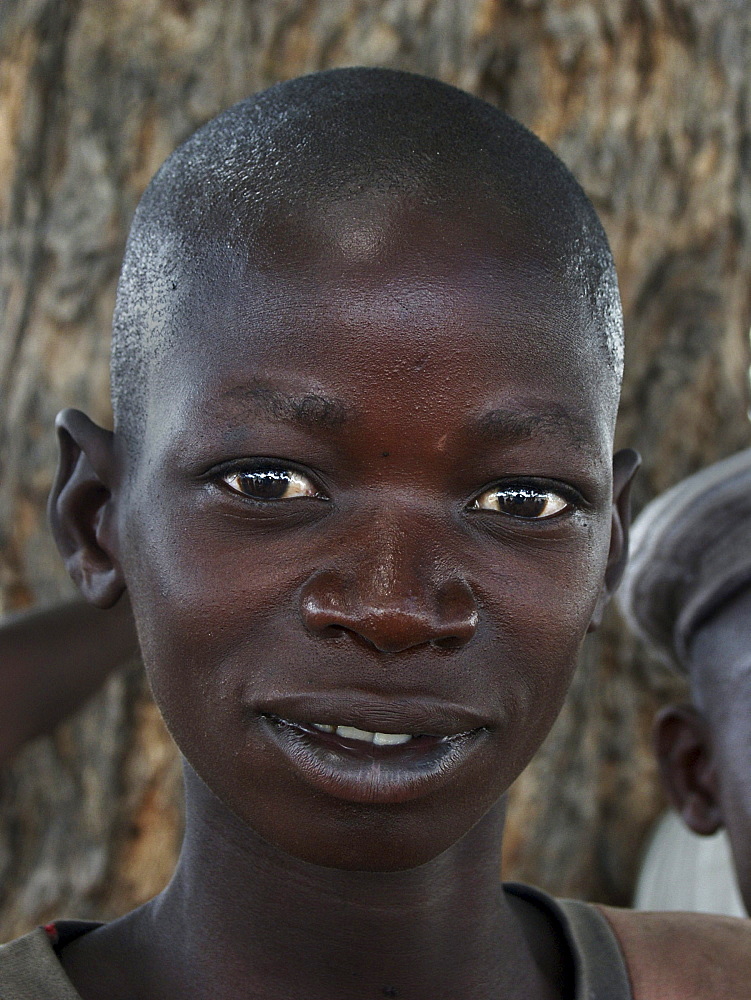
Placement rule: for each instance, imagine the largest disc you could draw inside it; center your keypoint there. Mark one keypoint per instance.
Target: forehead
(382, 305)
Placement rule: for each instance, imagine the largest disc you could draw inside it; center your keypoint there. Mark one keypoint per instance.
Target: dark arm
(51, 661)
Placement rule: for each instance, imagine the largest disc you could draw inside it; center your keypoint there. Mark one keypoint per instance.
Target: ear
(626, 464)
(687, 768)
(81, 508)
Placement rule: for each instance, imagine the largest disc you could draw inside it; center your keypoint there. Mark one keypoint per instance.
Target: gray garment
(599, 966)
(30, 969)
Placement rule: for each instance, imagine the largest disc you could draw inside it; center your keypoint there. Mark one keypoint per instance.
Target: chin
(372, 839)
(306, 823)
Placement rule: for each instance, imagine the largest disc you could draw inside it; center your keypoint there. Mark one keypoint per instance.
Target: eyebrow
(310, 409)
(317, 410)
(511, 425)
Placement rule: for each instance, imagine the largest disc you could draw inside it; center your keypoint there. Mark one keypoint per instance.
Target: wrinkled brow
(510, 425)
(310, 409)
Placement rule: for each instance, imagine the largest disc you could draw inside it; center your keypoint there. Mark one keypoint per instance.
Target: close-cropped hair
(333, 138)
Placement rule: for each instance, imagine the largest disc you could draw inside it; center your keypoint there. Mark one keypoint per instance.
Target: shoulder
(30, 970)
(597, 962)
(686, 956)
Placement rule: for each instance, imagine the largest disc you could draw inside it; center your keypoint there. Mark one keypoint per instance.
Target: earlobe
(626, 464)
(81, 508)
(687, 768)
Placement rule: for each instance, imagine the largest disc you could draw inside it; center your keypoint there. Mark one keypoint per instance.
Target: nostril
(323, 605)
(460, 618)
(332, 631)
(449, 642)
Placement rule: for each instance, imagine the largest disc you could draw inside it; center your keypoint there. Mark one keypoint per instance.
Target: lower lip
(357, 771)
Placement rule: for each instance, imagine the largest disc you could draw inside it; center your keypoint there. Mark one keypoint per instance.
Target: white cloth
(682, 871)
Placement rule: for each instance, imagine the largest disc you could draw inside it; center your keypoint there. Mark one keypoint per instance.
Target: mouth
(405, 753)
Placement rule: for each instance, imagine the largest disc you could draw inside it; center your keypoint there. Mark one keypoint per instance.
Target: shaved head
(332, 163)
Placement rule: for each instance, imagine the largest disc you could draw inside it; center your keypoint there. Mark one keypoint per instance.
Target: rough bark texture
(646, 100)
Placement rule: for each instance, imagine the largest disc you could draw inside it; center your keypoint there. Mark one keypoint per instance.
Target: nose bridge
(396, 564)
(394, 587)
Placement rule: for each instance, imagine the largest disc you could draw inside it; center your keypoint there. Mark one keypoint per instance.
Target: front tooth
(350, 733)
(323, 728)
(390, 739)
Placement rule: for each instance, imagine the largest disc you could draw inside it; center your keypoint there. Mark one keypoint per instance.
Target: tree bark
(646, 101)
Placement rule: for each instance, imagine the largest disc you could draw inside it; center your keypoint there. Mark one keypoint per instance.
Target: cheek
(195, 585)
(736, 807)
(538, 620)
(734, 770)
(541, 599)
(206, 603)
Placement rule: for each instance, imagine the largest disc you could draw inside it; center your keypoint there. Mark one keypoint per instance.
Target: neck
(294, 930)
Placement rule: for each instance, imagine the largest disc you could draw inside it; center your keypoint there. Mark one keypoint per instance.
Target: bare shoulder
(684, 956)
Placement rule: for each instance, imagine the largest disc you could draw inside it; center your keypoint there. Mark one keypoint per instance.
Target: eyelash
(526, 490)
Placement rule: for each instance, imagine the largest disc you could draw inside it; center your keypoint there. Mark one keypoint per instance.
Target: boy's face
(375, 492)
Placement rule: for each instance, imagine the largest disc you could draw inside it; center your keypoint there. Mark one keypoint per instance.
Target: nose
(395, 597)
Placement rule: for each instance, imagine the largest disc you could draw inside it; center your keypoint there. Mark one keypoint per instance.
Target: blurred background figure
(687, 593)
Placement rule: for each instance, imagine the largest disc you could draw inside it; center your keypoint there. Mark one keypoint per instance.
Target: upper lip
(377, 714)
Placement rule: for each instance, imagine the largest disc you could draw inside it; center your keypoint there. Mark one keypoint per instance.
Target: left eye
(524, 502)
(270, 483)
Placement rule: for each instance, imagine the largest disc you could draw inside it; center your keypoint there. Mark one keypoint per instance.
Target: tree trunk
(647, 102)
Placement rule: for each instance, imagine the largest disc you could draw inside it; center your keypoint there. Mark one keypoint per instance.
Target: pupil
(523, 503)
(265, 484)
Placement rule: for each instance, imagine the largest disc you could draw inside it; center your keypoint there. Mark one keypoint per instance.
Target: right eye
(270, 483)
(527, 503)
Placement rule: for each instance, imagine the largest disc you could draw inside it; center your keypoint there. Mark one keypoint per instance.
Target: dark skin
(424, 393)
(704, 748)
(52, 660)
